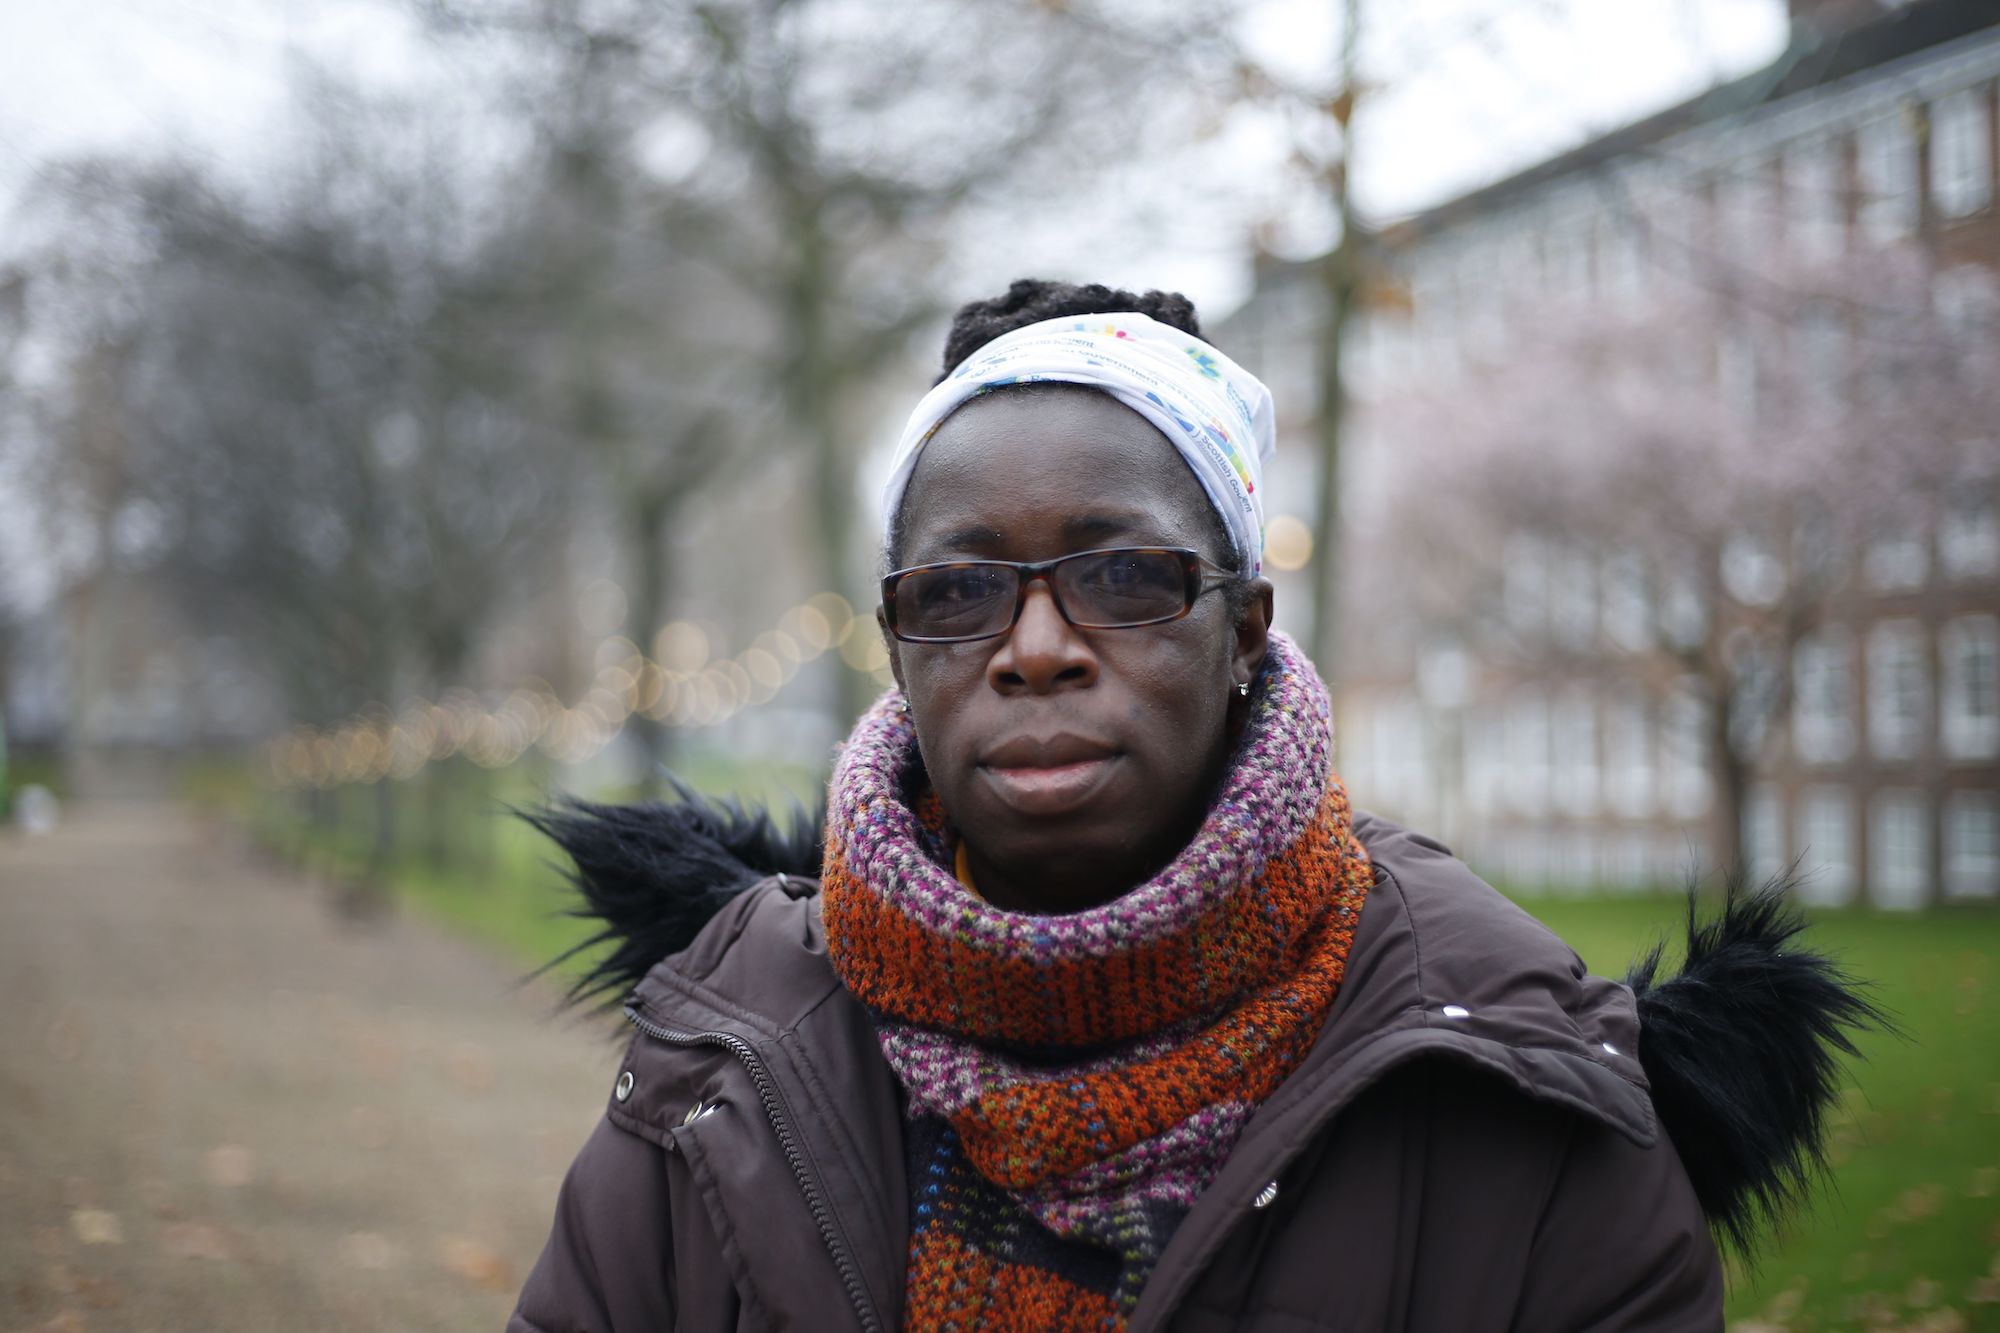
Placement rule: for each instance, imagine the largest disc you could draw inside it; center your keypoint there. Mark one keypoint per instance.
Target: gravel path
(222, 1109)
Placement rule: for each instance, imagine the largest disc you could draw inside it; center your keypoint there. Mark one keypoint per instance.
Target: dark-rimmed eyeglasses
(956, 601)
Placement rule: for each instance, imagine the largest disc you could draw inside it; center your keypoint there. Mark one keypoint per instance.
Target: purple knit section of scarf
(1269, 794)
(1272, 790)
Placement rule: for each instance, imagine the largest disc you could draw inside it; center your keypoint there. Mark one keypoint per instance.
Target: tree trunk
(811, 397)
(1731, 778)
(648, 611)
(1339, 281)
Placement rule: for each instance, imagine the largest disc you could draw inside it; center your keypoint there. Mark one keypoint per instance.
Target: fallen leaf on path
(196, 1240)
(94, 1226)
(475, 1263)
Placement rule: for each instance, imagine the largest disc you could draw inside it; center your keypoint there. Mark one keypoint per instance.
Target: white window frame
(1898, 561)
(1962, 152)
(1969, 687)
(1899, 849)
(1573, 597)
(1826, 843)
(1823, 696)
(1528, 751)
(1885, 158)
(1524, 592)
(1764, 854)
(1972, 845)
(1631, 768)
(1746, 212)
(1684, 747)
(1575, 766)
(1968, 537)
(1627, 601)
(1815, 200)
(1898, 689)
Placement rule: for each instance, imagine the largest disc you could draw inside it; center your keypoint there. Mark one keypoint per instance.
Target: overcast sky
(1463, 92)
(1466, 91)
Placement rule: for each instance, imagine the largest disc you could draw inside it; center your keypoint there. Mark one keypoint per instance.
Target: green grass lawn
(1907, 1234)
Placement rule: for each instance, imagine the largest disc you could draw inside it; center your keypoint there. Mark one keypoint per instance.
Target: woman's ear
(1253, 631)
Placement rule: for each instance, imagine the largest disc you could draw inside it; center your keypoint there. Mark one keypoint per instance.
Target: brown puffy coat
(1469, 1146)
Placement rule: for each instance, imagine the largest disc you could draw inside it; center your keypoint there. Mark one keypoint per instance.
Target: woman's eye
(962, 587)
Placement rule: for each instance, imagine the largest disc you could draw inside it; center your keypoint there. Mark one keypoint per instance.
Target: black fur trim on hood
(1743, 1048)
(653, 874)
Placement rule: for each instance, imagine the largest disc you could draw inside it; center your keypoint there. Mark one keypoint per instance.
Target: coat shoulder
(1445, 965)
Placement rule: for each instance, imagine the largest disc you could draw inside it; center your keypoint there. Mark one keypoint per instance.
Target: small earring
(1243, 688)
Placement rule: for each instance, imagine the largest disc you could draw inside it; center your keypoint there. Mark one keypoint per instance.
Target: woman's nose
(1043, 651)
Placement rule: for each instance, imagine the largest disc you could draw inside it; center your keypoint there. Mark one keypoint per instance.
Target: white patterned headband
(1215, 413)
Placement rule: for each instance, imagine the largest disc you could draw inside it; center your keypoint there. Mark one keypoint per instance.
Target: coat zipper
(774, 1111)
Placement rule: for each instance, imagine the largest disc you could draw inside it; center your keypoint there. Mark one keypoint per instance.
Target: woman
(1104, 1010)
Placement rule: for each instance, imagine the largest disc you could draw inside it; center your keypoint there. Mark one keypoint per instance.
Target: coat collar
(1442, 967)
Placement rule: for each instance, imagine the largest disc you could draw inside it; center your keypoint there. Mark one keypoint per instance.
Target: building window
(1402, 775)
(1629, 862)
(1969, 538)
(1569, 271)
(1576, 754)
(1621, 263)
(1826, 846)
(1751, 570)
(1815, 200)
(1969, 687)
(1528, 752)
(1525, 588)
(1897, 561)
(1961, 154)
(1886, 156)
(1823, 696)
(1684, 746)
(1486, 773)
(1764, 833)
(1576, 867)
(1972, 845)
(1628, 757)
(1899, 838)
(1683, 608)
(1628, 603)
(1747, 214)
(1737, 376)
(1820, 340)
(1525, 856)
(1573, 597)
(1898, 689)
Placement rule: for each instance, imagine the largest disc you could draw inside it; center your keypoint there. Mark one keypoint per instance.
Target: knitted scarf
(1076, 1081)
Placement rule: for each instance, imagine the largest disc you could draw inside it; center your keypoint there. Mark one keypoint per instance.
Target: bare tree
(301, 403)
(1709, 473)
(817, 159)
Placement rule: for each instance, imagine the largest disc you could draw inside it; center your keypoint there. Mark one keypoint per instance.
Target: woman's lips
(1052, 790)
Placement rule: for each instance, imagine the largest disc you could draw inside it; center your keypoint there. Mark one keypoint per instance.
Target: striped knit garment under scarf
(1076, 1081)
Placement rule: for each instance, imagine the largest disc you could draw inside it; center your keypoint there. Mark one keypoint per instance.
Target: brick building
(1872, 144)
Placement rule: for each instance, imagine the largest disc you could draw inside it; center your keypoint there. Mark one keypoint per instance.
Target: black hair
(1032, 300)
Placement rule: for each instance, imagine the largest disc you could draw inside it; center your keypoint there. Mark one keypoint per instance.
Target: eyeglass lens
(1098, 590)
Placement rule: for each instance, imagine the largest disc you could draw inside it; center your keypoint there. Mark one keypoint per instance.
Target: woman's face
(1074, 762)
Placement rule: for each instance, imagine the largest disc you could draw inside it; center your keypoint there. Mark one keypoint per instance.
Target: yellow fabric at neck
(961, 866)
